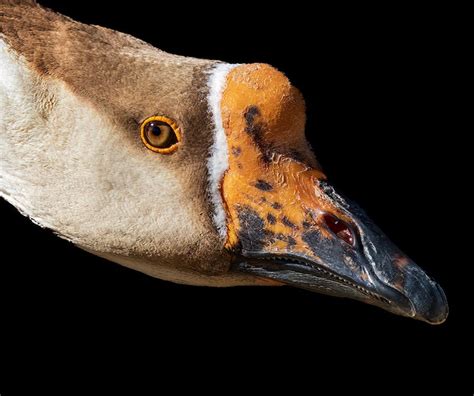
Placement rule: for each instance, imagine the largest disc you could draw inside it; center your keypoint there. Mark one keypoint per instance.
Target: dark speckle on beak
(291, 242)
(276, 205)
(297, 156)
(252, 233)
(288, 223)
(250, 114)
(271, 219)
(236, 151)
(313, 239)
(255, 128)
(263, 185)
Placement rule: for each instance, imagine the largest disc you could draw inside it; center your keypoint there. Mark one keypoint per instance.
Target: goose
(193, 171)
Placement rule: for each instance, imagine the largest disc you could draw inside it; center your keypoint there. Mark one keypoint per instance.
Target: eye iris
(339, 228)
(160, 135)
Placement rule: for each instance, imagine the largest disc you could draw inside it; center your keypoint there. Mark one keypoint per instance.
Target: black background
(378, 86)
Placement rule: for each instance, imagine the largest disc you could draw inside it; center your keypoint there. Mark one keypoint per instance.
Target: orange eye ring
(160, 134)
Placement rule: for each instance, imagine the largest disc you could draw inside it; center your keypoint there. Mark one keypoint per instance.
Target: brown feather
(19, 2)
(127, 80)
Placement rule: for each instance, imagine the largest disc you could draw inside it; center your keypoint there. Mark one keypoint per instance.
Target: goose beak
(346, 258)
(286, 223)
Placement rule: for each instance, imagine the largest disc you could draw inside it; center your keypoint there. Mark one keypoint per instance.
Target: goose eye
(160, 134)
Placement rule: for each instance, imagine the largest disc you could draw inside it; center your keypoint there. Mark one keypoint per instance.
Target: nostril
(340, 228)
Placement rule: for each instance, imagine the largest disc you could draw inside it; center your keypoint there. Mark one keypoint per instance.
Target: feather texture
(19, 2)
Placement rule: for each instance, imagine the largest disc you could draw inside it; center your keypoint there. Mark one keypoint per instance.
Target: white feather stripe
(218, 161)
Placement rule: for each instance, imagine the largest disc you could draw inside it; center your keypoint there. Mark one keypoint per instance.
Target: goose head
(188, 170)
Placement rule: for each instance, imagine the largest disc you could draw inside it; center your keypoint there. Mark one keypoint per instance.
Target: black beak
(365, 266)
(420, 298)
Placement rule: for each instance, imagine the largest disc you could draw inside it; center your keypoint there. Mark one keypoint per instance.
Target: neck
(67, 167)
(42, 155)
(69, 154)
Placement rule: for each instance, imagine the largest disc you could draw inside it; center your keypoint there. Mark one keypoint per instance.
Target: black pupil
(154, 128)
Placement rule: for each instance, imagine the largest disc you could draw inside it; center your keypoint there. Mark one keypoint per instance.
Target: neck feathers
(18, 3)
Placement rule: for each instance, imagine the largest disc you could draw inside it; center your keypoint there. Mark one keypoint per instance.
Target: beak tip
(435, 310)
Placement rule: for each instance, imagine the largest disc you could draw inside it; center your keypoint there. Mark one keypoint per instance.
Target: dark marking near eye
(327, 249)
(286, 221)
(236, 151)
(306, 225)
(271, 219)
(276, 205)
(263, 185)
(252, 233)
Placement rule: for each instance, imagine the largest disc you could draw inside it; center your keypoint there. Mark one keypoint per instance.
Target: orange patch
(401, 262)
(272, 171)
